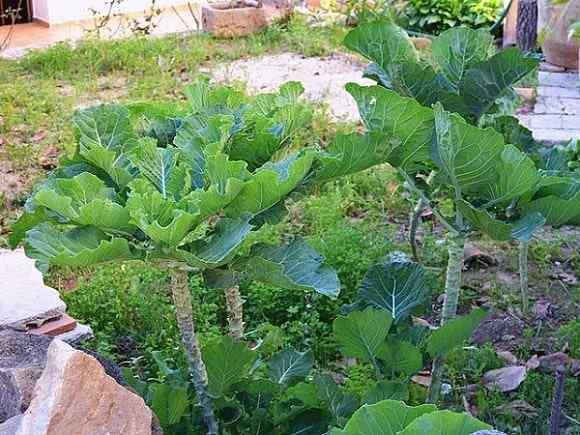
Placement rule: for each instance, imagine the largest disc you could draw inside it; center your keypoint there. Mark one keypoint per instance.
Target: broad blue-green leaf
(557, 211)
(454, 332)
(105, 126)
(388, 417)
(227, 362)
(352, 153)
(386, 390)
(400, 357)
(290, 365)
(406, 126)
(85, 200)
(26, 222)
(385, 44)
(467, 155)
(458, 49)
(82, 246)
(270, 184)
(229, 234)
(445, 423)
(482, 220)
(362, 333)
(513, 132)
(517, 176)
(340, 404)
(485, 82)
(158, 165)
(292, 266)
(396, 285)
(170, 403)
(104, 134)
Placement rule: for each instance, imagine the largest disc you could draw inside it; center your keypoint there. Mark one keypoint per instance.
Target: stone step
(551, 121)
(56, 327)
(557, 105)
(25, 300)
(558, 91)
(551, 136)
(563, 80)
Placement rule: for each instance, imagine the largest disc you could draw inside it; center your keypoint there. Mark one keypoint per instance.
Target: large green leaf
(81, 246)
(485, 82)
(352, 153)
(458, 49)
(292, 266)
(386, 390)
(396, 285)
(362, 333)
(516, 176)
(388, 417)
(227, 362)
(26, 222)
(400, 357)
(445, 423)
(454, 332)
(557, 211)
(407, 126)
(340, 404)
(228, 235)
(513, 132)
(290, 365)
(467, 155)
(385, 44)
(85, 200)
(170, 403)
(270, 184)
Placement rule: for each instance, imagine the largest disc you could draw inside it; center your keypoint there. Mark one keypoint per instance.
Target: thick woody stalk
(235, 309)
(523, 266)
(456, 246)
(413, 225)
(182, 302)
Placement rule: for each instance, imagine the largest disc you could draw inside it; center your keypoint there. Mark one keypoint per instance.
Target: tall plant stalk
(182, 302)
(456, 246)
(523, 266)
(234, 306)
(557, 400)
(413, 225)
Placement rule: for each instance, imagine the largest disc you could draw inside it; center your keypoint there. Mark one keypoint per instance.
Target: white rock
(24, 298)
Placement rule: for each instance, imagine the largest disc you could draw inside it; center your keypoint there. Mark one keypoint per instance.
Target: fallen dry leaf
(475, 257)
(533, 363)
(508, 357)
(505, 379)
(542, 309)
(424, 380)
(517, 408)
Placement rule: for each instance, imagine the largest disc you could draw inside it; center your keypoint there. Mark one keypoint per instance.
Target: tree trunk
(182, 302)
(235, 309)
(456, 247)
(523, 267)
(527, 27)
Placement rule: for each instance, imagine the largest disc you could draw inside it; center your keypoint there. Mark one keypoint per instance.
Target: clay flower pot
(554, 21)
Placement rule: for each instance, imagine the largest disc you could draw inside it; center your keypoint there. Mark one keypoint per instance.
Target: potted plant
(554, 21)
(232, 18)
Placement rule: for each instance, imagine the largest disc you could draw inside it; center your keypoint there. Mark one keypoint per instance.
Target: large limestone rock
(22, 360)
(25, 299)
(74, 395)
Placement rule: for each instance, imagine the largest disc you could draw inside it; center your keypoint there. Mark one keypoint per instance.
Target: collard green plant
(426, 121)
(185, 189)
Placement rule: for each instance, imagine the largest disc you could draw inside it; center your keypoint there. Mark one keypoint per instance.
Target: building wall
(63, 11)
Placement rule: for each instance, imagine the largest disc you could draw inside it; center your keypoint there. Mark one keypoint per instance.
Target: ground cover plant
(353, 221)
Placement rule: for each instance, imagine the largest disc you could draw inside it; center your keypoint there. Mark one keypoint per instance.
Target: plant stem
(523, 266)
(456, 246)
(182, 302)
(413, 225)
(234, 307)
(556, 414)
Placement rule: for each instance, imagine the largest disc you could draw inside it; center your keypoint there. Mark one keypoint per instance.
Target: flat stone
(25, 299)
(56, 327)
(559, 79)
(74, 395)
(546, 66)
(77, 335)
(9, 427)
(558, 91)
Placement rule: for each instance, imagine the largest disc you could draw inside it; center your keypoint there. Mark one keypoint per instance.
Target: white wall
(62, 11)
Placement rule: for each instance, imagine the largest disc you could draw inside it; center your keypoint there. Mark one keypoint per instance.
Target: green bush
(435, 16)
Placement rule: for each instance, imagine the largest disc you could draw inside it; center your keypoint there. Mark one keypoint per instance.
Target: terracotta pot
(229, 23)
(554, 21)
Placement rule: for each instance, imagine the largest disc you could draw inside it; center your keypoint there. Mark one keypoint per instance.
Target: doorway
(22, 9)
